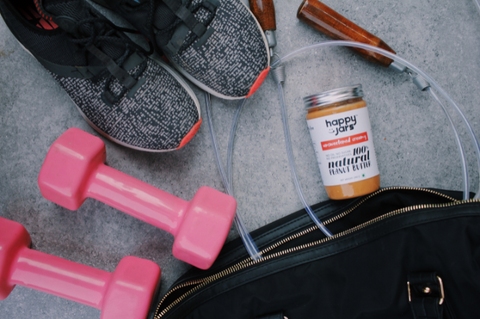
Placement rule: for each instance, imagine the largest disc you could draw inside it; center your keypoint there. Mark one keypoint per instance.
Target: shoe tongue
(75, 9)
(164, 18)
(68, 12)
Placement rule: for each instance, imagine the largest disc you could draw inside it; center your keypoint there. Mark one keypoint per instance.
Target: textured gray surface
(413, 142)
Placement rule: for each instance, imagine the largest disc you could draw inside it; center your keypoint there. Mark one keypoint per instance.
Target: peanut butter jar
(341, 133)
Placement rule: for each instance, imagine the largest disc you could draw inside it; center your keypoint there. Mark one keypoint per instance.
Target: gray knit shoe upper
(126, 96)
(158, 117)
(217, 44)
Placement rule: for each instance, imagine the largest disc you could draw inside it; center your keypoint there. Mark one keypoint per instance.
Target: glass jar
(341, 133)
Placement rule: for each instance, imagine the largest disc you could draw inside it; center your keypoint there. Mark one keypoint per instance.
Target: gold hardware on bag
(428, 290)
(442, 292)
(195, 285)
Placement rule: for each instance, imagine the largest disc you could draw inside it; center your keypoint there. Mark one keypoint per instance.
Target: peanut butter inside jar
(340, 128)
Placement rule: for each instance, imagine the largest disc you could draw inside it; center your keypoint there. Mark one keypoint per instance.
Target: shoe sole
(184, 84)
(258, 82)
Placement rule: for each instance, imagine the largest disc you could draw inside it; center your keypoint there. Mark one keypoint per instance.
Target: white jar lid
(333, 96)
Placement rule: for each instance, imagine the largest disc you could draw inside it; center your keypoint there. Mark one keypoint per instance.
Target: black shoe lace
(189, 21)
(88, 33)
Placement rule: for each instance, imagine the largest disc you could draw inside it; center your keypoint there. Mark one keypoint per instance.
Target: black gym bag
(397, 253)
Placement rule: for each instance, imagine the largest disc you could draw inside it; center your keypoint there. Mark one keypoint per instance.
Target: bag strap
(426, 295)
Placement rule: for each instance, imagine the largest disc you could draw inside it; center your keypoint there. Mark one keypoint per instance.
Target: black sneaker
(127, 97)
(216, 44)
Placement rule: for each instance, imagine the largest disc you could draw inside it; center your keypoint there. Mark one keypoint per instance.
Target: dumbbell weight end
(125, 293)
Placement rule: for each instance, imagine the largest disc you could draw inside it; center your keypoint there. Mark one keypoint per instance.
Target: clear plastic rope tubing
(227, 177)
(404, 62)
(477, 4)
(466, 194)
(291, 161)
(247, 239)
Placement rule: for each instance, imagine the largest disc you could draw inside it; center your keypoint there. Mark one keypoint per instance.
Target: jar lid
(333, 96)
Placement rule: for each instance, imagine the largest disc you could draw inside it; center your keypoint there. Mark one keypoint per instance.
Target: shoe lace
(88, 33)
(185, 14)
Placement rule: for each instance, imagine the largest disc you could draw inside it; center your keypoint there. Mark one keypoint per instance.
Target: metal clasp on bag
(427, 290)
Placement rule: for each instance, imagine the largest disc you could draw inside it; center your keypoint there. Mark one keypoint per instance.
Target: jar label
(344, 147)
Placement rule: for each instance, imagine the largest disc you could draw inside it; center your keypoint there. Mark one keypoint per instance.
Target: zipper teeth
(186, 284)
(384, 190)
(345, 213)
(249, 262)
(203, 282)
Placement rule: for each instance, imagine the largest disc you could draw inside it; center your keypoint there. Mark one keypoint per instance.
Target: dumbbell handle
(137, 198)
(60, 277)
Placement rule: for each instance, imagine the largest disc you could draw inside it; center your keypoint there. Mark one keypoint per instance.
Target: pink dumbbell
(125, 293)
(74, 169)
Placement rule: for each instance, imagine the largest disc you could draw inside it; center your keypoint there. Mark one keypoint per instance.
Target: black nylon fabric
(278, 315)
(367, 282)
(234, 251)
(361, 275)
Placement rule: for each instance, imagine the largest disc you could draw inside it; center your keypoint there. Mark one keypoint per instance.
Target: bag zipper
(249, 262)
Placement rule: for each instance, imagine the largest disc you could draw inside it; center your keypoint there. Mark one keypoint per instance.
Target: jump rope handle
(324, 19)
(264, 11)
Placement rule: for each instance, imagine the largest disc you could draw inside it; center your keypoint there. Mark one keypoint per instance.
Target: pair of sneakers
(119, 87)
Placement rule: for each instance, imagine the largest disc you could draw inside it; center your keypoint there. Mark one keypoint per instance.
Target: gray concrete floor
(413, 141)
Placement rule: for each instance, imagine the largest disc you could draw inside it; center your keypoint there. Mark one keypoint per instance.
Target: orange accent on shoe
(190, 134)
(45, 24)
(258, 82)
(30, 14)
(39, 6)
